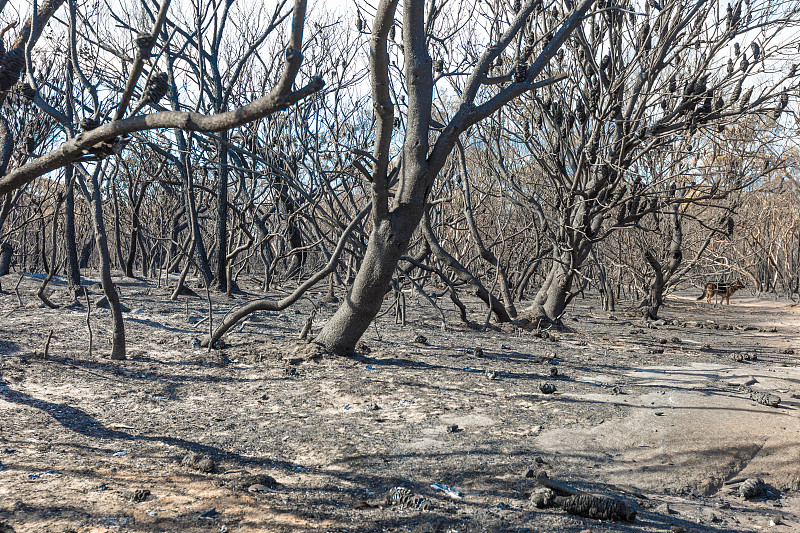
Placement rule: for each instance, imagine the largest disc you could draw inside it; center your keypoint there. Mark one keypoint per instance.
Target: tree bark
(221, 261)
(110, 291)
(73, 267)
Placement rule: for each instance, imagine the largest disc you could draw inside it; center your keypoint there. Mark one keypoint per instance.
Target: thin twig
(47, 345)
(16, 288)
(210, 319)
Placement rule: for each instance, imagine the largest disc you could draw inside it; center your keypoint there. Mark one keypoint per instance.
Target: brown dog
(725, 290)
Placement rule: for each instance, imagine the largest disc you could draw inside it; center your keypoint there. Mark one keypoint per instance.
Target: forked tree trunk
(552, 298)
(662, 274)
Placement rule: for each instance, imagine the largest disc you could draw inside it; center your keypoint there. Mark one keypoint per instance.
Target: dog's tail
(702, 296)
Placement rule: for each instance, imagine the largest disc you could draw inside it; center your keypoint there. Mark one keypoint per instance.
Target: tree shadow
(82, 423)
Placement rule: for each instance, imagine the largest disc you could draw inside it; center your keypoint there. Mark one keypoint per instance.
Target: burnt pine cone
(11, 66)
(156, 88)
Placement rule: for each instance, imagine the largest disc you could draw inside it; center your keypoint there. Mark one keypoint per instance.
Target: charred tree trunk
(387, 243)
(189, 198)
(134, 236)
(221, 261)
(110, 291)
(499, 310)
(553, 296)
(175, 228)
(70, 244)
(6, 253)
(662, 274)
(86, 252)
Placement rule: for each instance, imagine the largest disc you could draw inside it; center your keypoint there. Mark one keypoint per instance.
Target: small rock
(788, 351)
(547, 388)
(198, 462)
(553, 371)
(421, 339)
(477, 352)
(776, 520)
(257, 487)
(676, 340)
(244, 482)
(453, 428)
(663, 341)
(664, 508)
(211, 513)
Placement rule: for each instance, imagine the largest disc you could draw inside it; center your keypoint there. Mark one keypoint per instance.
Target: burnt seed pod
(438, 65)
(89, 123)
(701, 86)
(756, 51)
(11, 66)
(736, 49)
(156, 88)
(28, 92)
(558, 114)
(580, 112)
(144, 43)
(730, 66)
(743, 103)
(745, 63)
(673, 85)
(520, 72)
(737, 91)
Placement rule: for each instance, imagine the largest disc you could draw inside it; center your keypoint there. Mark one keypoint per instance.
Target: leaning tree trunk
(387, 243)
(118, 338)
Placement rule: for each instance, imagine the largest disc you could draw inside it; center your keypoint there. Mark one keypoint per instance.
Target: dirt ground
(656, 414)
